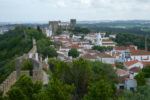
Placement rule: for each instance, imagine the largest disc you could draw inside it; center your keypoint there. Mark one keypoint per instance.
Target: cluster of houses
(84, 46)
(134, 60)
(130, 56)
(6, 28)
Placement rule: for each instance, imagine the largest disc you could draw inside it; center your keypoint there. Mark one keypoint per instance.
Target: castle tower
(54, 25)
(72, 23)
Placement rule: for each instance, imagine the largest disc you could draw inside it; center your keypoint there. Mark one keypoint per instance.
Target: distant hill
(141, 27)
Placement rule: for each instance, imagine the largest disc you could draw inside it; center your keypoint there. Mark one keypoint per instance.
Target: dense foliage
(45, 48)
(119, 65)
(132, 39)
(27, 65)
(142, 93)
(24, 89)
(80, 30)
(140, 79)
(77, 80)
(146, 71)
(74, 53)
(16, 42)
(102, 48)
(133, 27)
(85, 76)
(12, 44)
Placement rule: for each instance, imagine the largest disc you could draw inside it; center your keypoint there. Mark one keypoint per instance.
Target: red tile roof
(135, 69)
(129, 63)
(125, 48)
(88, 56)
(74, 46)
(146, 63)
(121, 72)
(104, 55)
(139, 52)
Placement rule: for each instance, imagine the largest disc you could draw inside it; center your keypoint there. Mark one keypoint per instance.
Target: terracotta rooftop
(91, 51)
(76, 46)
(116, 54)
(146, 63)
(139, 52)
(135, 69)
(88, 56)
(129, 63)
(104, 55)
(125, 48)
(121, 72)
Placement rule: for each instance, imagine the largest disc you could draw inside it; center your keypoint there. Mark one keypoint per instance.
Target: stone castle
(55, 25)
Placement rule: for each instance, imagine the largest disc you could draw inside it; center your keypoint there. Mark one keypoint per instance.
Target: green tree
(142, 93)
(119, 65)
(80, 30)
(77, 73)
(101, 70)
(1, 95)
(27, 65)
(57, 90)
(146, 71)
(26, 86)
(43, 95)
(102, 48)
(80, 76)
(140, 79)
(73, 53)
(39, 29)
(16, 94)
(13, 44)
(44, 47)
(51, 52)
(126, 39)
(100, 90)
(24, 89)
(53, 63)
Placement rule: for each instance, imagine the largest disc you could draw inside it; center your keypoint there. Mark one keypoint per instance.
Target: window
(144, 58)
(132, 89)
(121, 87)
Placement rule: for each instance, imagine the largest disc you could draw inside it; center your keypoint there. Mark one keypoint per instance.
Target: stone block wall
(10, 80)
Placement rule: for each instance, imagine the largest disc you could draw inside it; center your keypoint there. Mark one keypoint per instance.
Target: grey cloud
(13, 10)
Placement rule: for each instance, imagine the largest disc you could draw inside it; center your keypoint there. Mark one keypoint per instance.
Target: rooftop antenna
(146, 49)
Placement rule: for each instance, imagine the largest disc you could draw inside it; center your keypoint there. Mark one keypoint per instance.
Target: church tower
(99, 39)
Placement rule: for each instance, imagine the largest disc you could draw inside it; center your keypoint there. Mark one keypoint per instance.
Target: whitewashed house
(140, 55)
(131, 83)
(97, 56)
(133, 66)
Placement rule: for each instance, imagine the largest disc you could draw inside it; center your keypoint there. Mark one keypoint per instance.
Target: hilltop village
(99, 47)
(71, 63)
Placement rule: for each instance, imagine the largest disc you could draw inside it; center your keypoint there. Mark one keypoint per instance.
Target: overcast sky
(44, 10)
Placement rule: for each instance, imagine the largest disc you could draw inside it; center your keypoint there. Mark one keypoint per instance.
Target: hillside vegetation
(16, 42)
